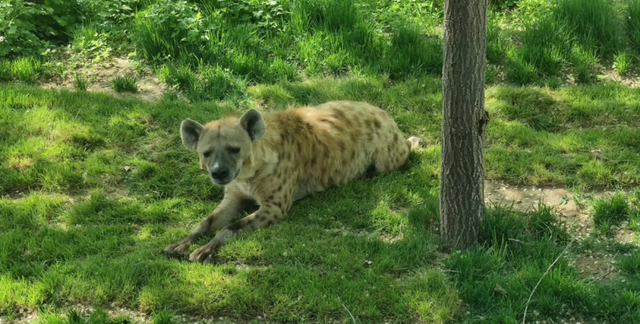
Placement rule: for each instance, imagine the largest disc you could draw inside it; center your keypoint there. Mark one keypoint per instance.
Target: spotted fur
(268, 161)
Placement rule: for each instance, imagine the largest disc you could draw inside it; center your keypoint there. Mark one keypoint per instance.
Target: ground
(94, 184)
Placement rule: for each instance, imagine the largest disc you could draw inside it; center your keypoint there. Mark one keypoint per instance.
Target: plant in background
(26, 69)
(126, 83)
(91, 44)
(633, 23)
(80, 82)
(169, 29)
(504, 4)
(18, 30)
(610, 212)
(519, 71)
(496, 41)
(545, 44)
(595, 24)
(584, 64)
(5, 70)
(622, 63)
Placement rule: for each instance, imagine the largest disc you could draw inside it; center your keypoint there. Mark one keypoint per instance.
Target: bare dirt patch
(574, 212)
(100, 77)
(568, 205)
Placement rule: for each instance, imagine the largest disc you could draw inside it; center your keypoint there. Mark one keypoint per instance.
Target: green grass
(80, 82)
(622, 63)
(27, 70)
(125, 83)
(95, 187)
(5, 70)
(595, 23)
(610, 212)
(633, 24)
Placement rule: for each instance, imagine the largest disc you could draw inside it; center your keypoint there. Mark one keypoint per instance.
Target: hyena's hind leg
(393, 151)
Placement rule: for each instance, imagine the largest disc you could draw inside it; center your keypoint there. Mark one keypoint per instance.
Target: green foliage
(633, 23)
(125, 83)
(5, 70)
(169, 29)
(213, 83)
(26, 69)
(18, 28)
(497, 44)
(631, 263)
(610, 212)
(495, 280)
(503, 4)
(90, 44)
(80, 82)
(412, 53)
(595, 24)
(162, 317)
(519, 71)
(622, 63)
(114, 14)
(584, 64)
(545, 44)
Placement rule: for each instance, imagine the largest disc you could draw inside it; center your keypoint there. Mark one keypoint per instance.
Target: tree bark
(463, 122)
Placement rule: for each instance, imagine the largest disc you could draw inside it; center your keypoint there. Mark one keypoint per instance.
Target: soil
(100, 79)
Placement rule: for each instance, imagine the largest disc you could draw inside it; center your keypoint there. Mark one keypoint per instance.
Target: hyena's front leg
(231, 206)
(269, 213)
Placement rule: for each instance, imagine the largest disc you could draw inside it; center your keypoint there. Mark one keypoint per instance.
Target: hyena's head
(223, 145)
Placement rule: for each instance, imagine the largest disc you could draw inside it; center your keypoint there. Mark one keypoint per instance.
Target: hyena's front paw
(178, 249)
(205, 253)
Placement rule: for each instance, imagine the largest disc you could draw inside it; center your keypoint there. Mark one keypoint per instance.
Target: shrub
(217, 84)
(91, 43)
(18, 30)
(503, 4)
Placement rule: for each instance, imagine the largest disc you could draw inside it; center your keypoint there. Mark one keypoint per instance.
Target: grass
(595, 23)
(102, 189)
(27, 70)
(80, 83)
(610, 212)
(93, 187)
(126, 83)
(633, 23)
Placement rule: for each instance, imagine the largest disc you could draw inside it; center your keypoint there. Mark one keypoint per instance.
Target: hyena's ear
(190, 131)
(253, 123)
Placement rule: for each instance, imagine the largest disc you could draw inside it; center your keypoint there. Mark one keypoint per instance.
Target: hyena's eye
(207, 154)
(233, 149)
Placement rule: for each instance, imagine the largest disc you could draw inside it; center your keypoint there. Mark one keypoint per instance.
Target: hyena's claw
(177, 249)
(205, 253)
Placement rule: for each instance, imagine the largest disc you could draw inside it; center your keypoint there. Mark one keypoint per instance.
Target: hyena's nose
(219, 173)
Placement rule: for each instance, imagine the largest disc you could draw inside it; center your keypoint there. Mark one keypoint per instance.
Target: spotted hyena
(268, 161)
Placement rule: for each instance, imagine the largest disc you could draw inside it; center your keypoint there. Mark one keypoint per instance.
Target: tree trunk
(463, 122)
